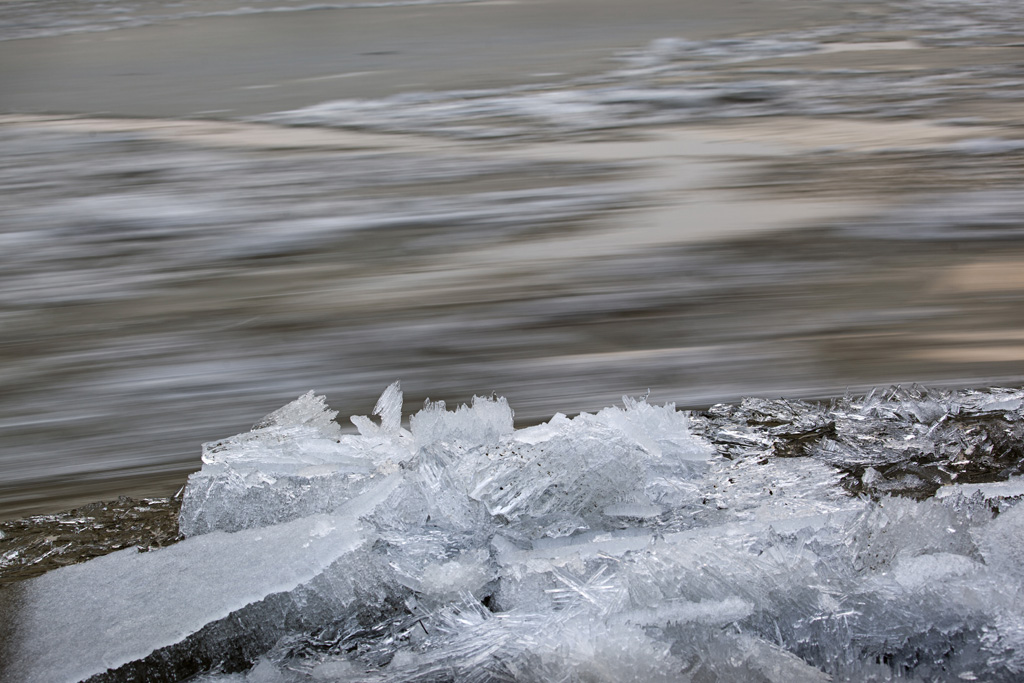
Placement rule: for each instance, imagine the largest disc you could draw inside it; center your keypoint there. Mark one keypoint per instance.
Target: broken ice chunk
(579, 470)
(469, 643)
(743, 657)
(299, 431)
(553, 552)
(563, 525)
(147, 601)
(1011, 488)
(1002, 542)
(307, 410)
(389, 409)
(295, 462)
(468, 572)
(1003, 406)
(229, 501)
(929, 570)
(635, 510)
(487, 421)
(661, 430)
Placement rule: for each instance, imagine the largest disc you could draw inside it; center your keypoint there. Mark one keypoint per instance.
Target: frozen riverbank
(871, 537)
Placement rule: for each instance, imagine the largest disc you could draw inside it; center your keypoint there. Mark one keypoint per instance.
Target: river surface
(210, 208)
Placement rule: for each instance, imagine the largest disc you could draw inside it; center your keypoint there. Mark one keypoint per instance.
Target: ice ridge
(637, 543)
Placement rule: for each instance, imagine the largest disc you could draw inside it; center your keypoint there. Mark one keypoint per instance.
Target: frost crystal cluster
(758, 542)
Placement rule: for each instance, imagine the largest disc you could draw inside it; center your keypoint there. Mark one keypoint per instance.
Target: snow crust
(616, 546)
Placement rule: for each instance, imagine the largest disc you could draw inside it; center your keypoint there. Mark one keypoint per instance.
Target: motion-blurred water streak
(837, 204)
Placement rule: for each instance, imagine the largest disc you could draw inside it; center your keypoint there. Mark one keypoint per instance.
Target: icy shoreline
(865, 539)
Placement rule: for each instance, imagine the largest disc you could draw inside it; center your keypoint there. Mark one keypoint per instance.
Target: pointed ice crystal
(486, 421)
(309, 411)
(389, 408)
(295, 462)
(578, 470)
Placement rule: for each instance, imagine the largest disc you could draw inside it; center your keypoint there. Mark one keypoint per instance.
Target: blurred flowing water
(167, 282)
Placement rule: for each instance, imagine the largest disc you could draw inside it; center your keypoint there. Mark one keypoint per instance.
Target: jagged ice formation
(756, 542)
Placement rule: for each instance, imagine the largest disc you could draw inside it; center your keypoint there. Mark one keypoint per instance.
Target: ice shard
(295, 462)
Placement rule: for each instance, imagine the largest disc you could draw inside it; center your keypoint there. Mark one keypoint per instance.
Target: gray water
(161, 286)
